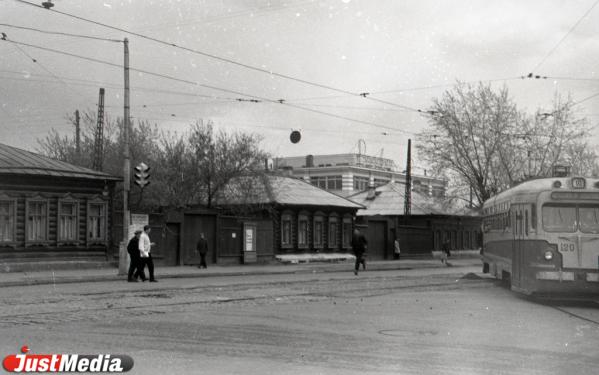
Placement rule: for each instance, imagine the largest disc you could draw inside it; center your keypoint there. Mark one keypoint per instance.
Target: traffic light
(142, 175)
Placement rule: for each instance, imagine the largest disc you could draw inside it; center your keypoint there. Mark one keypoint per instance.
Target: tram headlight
(548, 255)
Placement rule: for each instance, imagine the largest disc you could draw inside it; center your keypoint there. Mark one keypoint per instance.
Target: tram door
(519, 229)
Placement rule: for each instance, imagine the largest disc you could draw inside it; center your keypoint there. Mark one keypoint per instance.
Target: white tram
(543, 236)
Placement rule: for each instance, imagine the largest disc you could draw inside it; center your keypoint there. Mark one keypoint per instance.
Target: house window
(318, 231)
(320, 181)
(96, 219)
(286, 230)
(347, 232)
(361, 183)
(333, 224)
(334, 183)
(37, 221)
(67, 221)
(7, 221)
(302, 231)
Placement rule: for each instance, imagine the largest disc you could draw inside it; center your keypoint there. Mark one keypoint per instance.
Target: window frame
(303, 218)
(103, 239)
(346, 233)
(37, 199)
(286, 217)
(318, 218)
(12, 214)
(332, 238)
(59, 214)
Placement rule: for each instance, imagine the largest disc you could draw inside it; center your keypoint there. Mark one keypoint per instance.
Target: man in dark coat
(135, 265)
(358, 244)
(202, 249)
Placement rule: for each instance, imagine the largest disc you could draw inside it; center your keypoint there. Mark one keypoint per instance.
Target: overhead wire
(223, 59)
(60, 33)
(564, 37)
(186, 81)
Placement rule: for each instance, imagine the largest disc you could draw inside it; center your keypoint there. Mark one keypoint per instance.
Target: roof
(20, 162)
(283, 190)
(389, 199)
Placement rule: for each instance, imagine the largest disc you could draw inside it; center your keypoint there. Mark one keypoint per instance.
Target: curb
(283, 269)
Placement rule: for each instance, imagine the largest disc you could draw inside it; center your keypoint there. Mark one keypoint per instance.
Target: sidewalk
(111, 274)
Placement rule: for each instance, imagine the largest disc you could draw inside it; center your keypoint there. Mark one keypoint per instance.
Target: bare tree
(480, 139)
(221, 156)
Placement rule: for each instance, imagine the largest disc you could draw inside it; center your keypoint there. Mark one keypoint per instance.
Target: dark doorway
(171, 244)
(194, 224)
(377, 239)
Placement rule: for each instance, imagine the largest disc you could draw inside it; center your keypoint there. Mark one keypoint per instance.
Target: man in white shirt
(145, 246)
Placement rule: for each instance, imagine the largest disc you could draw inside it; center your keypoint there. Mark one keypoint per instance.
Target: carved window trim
(12, 215)
(319, 218)
(102, 239)
(67, 199)
(286, 230)
(30, 224)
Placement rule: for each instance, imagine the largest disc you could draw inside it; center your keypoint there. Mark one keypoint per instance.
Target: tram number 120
(565, 246)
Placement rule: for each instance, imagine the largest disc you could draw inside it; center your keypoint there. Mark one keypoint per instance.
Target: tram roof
(539, 185)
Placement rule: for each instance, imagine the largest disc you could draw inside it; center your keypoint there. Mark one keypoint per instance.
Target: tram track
(318, 290)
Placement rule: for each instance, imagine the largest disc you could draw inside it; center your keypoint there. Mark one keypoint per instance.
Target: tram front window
(589, 219)
(559, 218)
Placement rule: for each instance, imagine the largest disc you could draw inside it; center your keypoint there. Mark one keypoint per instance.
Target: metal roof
(16, 161)
(388, 199)
(281, 190)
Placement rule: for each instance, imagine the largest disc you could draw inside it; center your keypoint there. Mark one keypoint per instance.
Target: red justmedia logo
(66, 362)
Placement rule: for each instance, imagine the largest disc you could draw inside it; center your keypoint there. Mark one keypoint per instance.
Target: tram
(542, 236)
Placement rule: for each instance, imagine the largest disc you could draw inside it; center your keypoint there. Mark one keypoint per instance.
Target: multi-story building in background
(347, 174)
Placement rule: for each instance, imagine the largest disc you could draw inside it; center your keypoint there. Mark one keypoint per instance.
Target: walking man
(202, 249)
(135, 265)
(144, 249)
(358, 244)
(396, 249)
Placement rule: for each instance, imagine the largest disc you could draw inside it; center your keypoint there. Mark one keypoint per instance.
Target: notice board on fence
(249, 243)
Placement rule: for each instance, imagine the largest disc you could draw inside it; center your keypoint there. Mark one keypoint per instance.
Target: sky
(271, 67)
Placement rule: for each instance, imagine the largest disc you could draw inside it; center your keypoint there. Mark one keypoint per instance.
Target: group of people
(139, 249)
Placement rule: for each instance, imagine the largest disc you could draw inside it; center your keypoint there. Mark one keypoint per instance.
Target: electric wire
(564, 37)
(219, 58)
(61, 33)
(255, 97)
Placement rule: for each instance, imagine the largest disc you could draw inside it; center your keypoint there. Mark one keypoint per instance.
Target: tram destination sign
(578, 195)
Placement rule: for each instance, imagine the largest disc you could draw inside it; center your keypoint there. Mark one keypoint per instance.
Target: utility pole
(77, 136)
(126, 164)
(408, 194)
(99, 138)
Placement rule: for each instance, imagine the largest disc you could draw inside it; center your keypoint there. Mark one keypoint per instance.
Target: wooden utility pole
(408, 194)
(126, 164)
(77, 136)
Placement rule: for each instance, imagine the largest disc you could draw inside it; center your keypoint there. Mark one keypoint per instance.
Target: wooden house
(433, 220)
(52, 214)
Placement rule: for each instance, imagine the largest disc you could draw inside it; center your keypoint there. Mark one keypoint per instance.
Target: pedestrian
(359, 246)
(445, 253)
(136, 269)
(145, 246)
(202, 249)
(396, 249)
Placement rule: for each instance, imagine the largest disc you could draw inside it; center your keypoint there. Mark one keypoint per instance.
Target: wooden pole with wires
(126, 164)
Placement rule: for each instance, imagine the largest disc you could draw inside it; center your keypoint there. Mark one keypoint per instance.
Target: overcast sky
(403, 53)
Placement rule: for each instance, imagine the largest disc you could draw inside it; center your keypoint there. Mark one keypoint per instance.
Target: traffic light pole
(126, 165)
